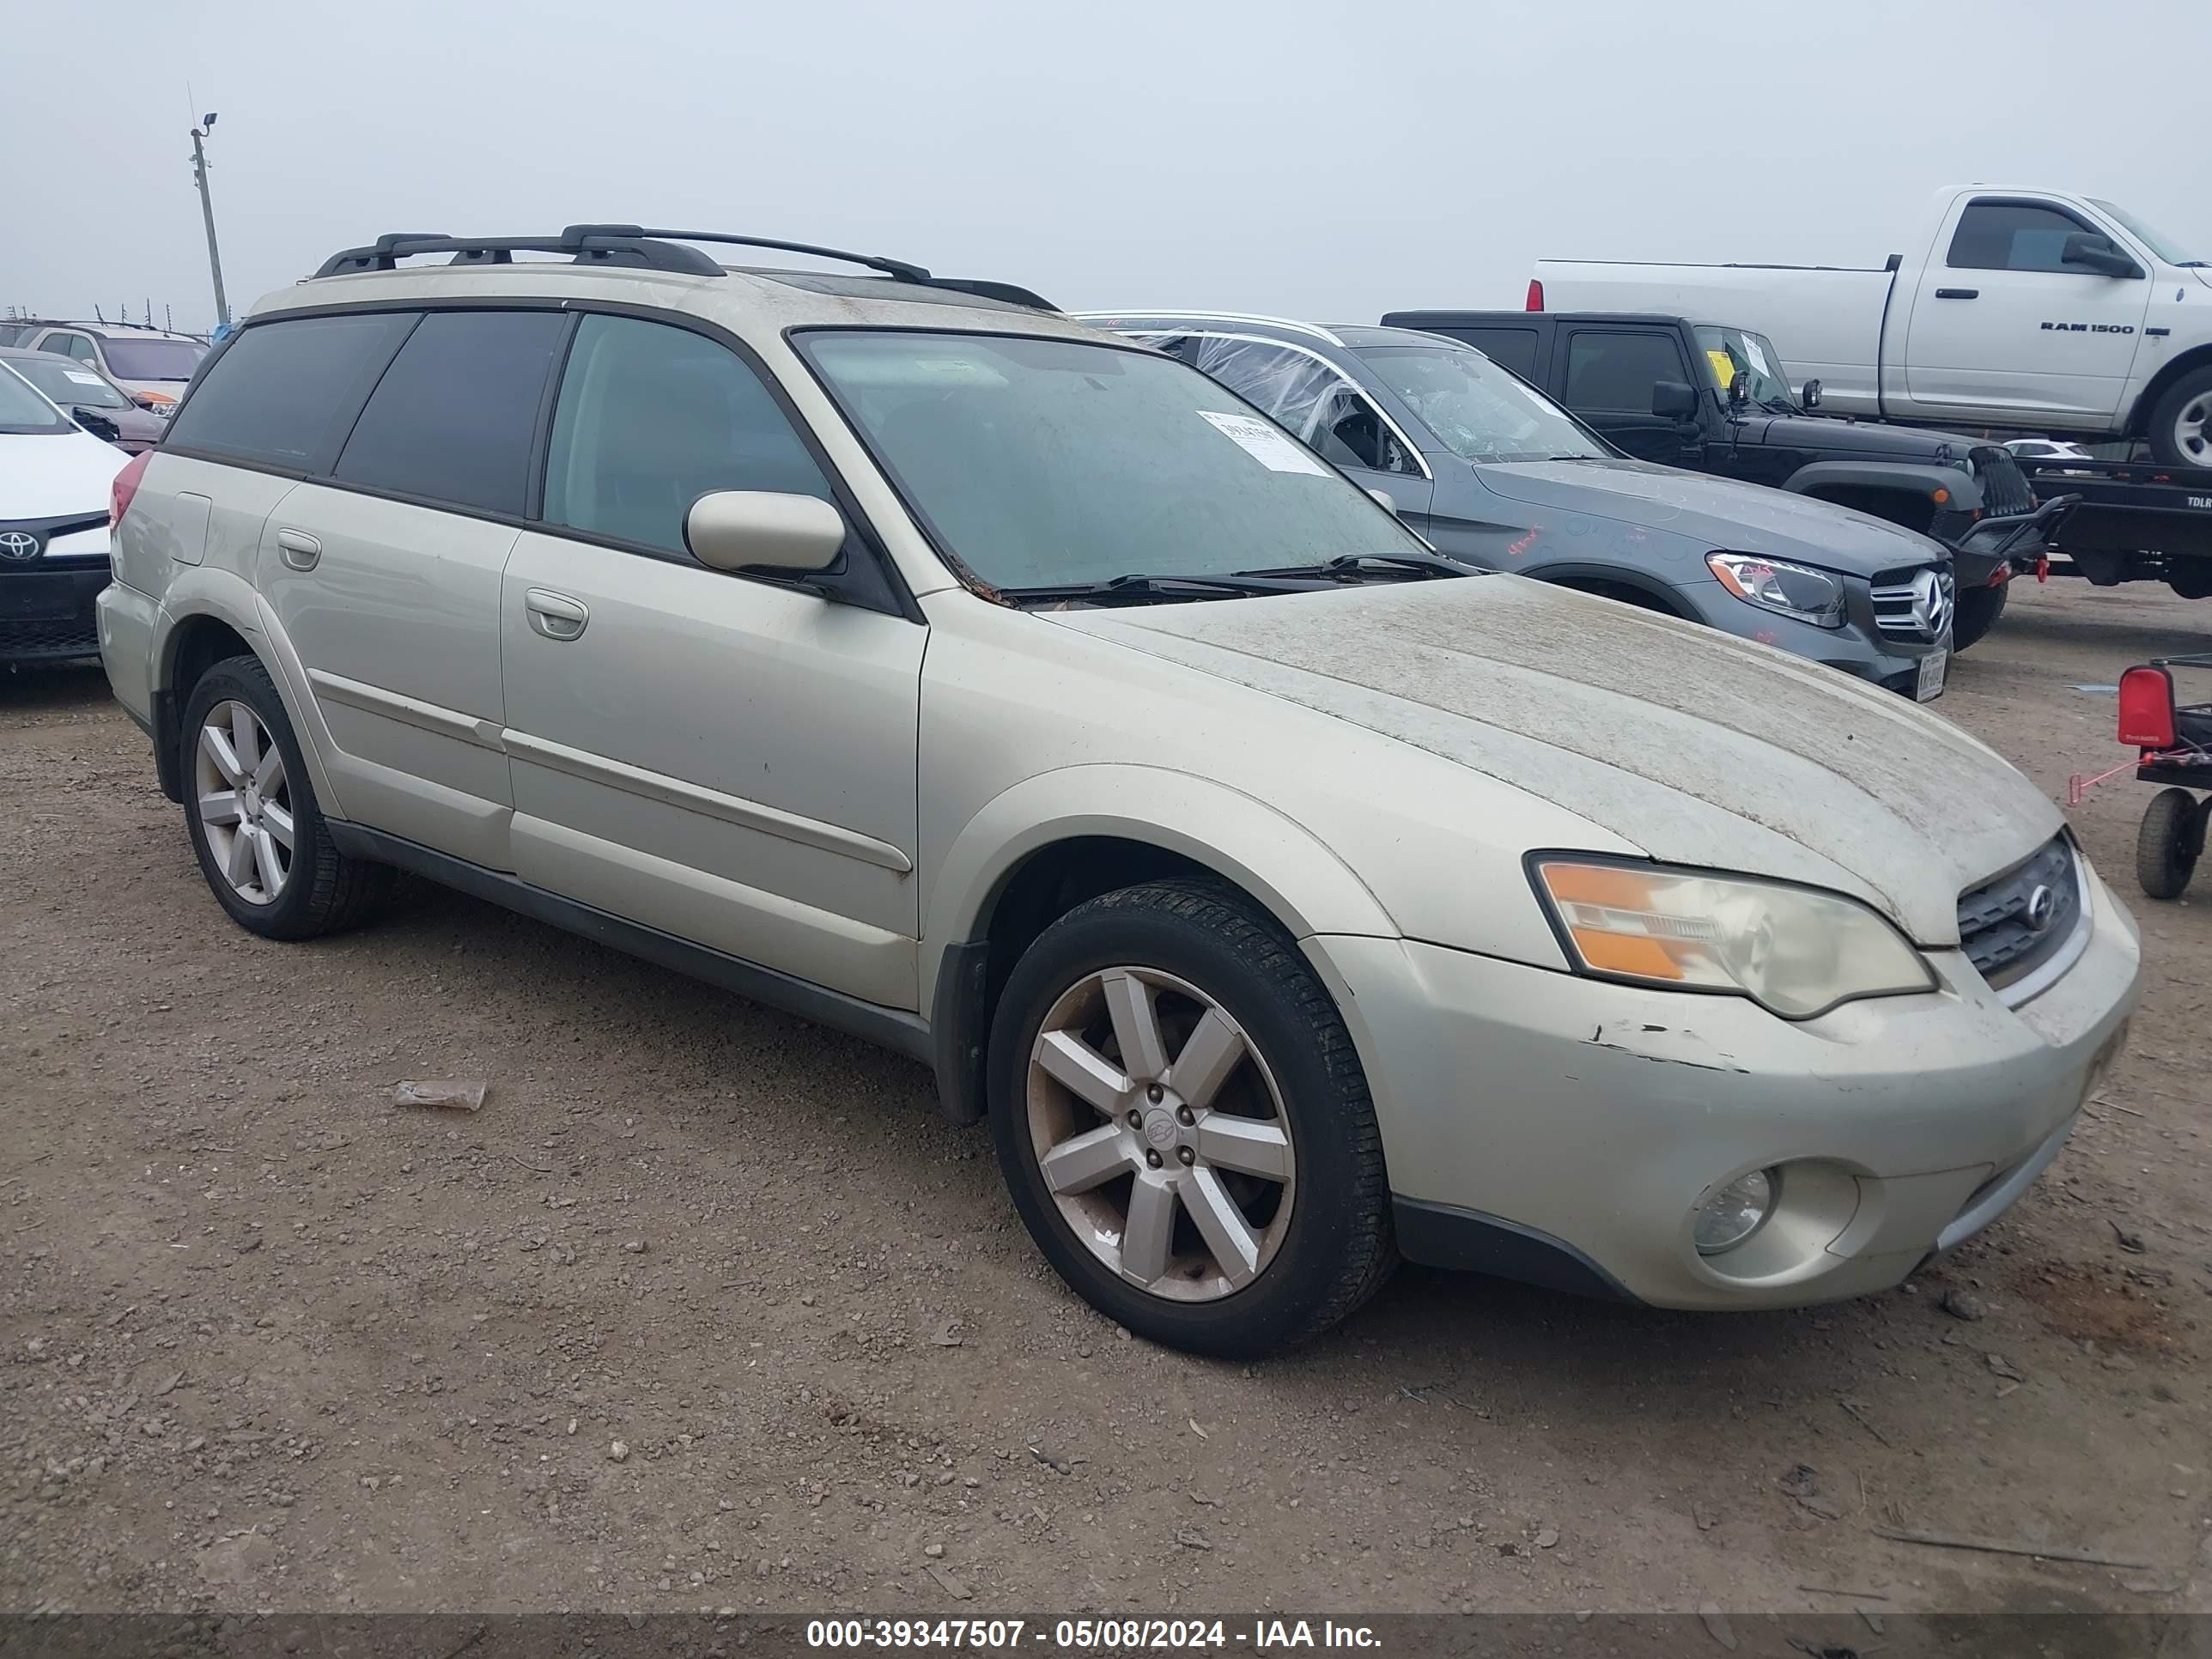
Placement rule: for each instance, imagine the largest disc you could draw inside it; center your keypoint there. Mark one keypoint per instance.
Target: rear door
(724, 758)
(385, 574)
(2004, 329)
(1606, 374)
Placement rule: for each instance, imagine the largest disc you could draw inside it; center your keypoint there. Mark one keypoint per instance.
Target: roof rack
(637, 247)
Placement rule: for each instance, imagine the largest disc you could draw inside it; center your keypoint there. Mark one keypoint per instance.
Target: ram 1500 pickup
(2025, 310)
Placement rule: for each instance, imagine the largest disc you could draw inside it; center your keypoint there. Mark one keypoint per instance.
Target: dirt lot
(708, 1308)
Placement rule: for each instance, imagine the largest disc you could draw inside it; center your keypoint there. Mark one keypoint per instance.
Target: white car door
(725, 758)
(2004, 329)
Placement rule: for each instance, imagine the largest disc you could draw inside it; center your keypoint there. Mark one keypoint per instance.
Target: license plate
(1933, 667)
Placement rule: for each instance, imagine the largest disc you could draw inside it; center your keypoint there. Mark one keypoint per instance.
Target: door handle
(1958, 294)
(298, 549)
(555, 615)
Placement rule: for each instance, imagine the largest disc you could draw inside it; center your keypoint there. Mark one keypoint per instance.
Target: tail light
(2147, 708)
(1535, 295)
(125, 487)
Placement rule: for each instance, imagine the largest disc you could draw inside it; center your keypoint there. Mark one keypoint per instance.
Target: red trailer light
(2147, 707)
(1535, 295)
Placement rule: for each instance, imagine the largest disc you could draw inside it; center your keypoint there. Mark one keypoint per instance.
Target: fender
(209, 590)
(1896, 477)
(1614, 576)
(1304, 884)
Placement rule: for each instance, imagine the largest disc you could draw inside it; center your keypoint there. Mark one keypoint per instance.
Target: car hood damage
(1720, 512)
(1698, 748)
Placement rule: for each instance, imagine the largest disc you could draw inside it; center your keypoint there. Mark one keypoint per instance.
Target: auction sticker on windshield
(1932, 669)
(1263, 443)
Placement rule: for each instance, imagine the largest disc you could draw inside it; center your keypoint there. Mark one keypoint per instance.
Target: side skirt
(889, 1028)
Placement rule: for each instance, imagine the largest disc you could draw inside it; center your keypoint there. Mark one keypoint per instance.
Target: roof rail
(1295, 327)
(637, 246)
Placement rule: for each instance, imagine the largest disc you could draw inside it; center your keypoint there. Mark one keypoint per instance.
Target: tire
(1977, 612)
(1291, 1096)
(2167, 845)
(2180, 430)
(310, 889)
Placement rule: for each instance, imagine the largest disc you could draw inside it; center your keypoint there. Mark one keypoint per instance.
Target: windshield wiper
(1138, 585)
(1353, 566)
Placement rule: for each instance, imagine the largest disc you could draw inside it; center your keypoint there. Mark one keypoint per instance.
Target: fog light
(1733, 1214)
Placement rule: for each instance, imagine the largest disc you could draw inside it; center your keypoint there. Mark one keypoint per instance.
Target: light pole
(207, 212)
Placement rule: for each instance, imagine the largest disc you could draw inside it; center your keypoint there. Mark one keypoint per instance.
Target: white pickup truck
(2025, 310)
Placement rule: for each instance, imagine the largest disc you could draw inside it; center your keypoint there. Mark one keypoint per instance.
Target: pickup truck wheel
(2181, 424)
(2167, 845)
(1184, 1123)
(1976, 613)
(251, 810)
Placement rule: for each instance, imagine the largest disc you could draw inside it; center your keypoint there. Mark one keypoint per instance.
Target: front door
(1607, 376)
(2004, 329)
(728, 759)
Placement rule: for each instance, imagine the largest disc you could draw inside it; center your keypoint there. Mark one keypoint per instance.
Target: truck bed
(1825, 319)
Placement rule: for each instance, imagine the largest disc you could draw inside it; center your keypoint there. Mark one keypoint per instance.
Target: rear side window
(1617, 371)
(452, 418)
(1508, 348)
(653, 418)
(279, 394)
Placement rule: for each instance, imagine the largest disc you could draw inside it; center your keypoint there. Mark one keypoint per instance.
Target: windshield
(1040, 463)
(152, 359)
(1730, 352)
(66, 382)
(1478, 409)
(23, 410)
(2165, 247)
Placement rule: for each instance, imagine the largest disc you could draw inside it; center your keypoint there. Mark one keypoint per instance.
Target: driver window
(1351, 432)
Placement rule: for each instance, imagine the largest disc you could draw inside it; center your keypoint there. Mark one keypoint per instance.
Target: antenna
(95, 312)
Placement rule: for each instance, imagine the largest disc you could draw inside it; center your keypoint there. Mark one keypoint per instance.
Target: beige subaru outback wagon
(895, 650)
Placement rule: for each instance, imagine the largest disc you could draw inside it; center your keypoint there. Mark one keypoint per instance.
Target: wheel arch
(209, 614)
(2195, 358)
(1623, 586)
(1056, 840)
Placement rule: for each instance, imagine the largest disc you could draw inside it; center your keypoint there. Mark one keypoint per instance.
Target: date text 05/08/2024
(1117, 1635)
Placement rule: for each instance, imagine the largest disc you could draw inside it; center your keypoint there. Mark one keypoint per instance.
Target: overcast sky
(1315, 160)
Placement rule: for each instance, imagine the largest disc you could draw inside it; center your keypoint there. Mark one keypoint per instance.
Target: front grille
(1914, 604)
(2004, 486)
(76, 636)
(23, 540)
(2009, 927)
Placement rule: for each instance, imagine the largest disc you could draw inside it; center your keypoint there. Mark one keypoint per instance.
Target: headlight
(1796, 951)
(1795, 590)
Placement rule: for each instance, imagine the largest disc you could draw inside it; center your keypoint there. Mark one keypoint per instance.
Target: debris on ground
(450, 1094)
(1963, 1304)
(1716, 1625)
(2003, 1546)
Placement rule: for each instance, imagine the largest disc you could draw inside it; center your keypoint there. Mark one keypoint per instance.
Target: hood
(1718, 512)
(1696, 747)
(1862, 438)
(139, 425)
(46, 474)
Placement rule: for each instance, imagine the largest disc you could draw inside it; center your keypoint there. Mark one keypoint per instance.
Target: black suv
(1717, 399)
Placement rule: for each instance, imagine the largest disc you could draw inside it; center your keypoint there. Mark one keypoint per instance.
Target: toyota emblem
(2042, 909)
(16, 544)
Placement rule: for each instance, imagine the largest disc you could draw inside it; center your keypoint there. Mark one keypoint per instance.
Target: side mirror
(753, 529)
(1812, 394)
(2097, 253)
(1384, 500)
(1676, 400)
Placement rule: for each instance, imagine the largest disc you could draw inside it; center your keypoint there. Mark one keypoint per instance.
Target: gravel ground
(709, 1307)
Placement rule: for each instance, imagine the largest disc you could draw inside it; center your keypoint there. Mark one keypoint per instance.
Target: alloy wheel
(2192, 430)
(244, 801)
(1161, 1135)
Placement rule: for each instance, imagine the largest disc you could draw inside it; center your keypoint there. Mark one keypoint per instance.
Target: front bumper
(47, 610)
(1859, 648)
(1563, 1130)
